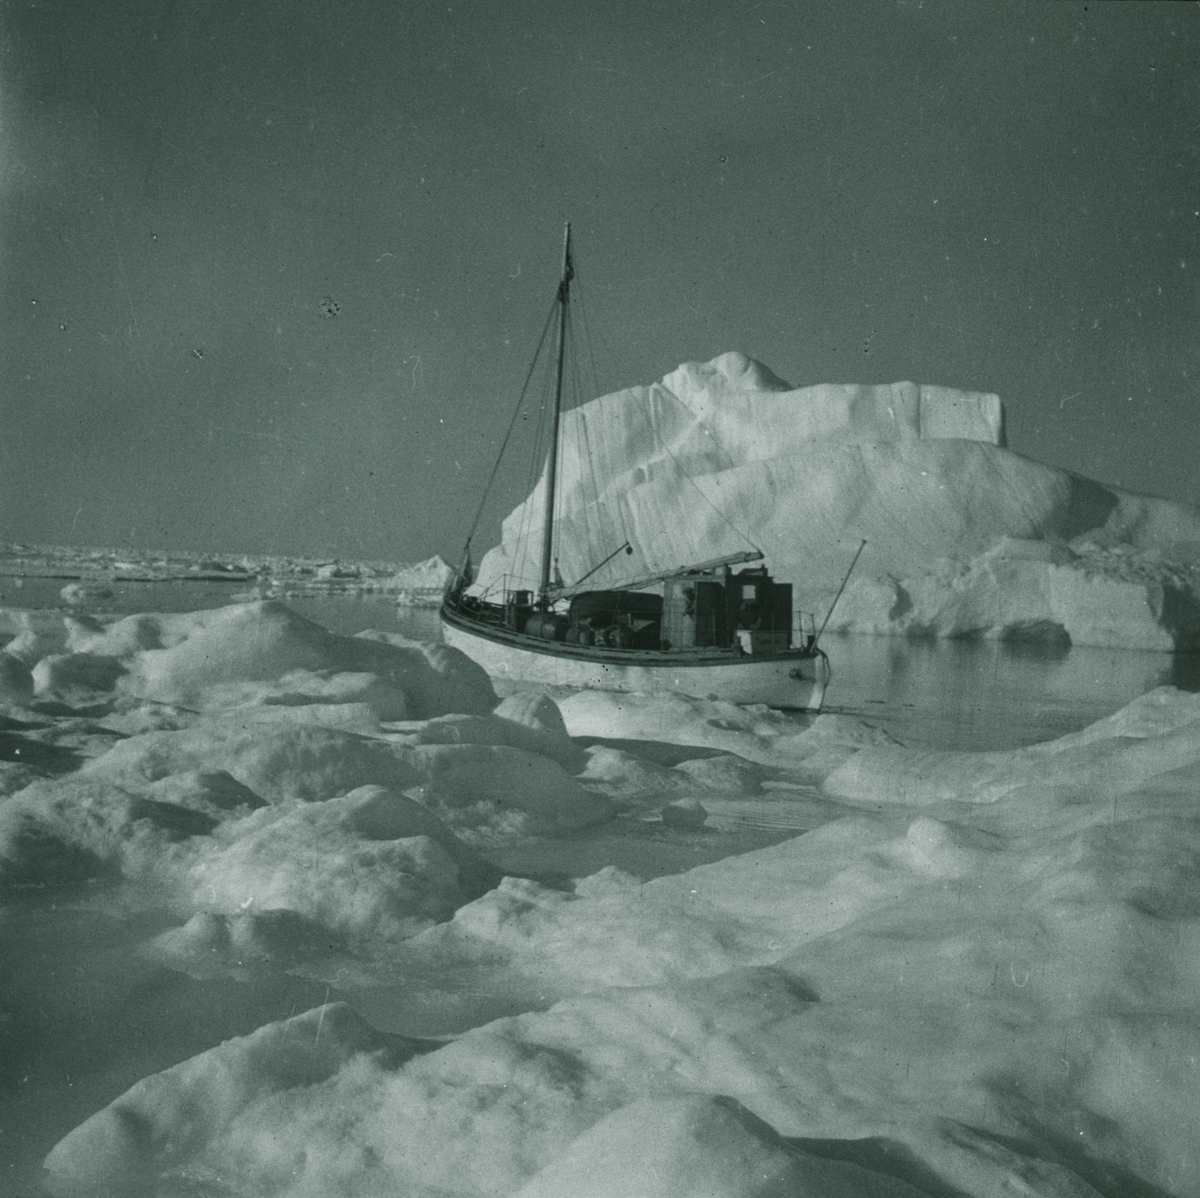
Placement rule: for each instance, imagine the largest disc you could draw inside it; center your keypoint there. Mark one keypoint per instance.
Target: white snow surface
(972, 974)
(964, 536)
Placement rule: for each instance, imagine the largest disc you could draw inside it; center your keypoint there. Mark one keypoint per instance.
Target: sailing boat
(706, 630)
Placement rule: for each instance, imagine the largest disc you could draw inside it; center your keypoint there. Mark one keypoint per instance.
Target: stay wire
(583, 450)
(688, 478)
(525, 542)
(512, 424)
(577, 294)
(657, 436)
(591, 361)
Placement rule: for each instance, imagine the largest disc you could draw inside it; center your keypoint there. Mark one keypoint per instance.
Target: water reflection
(963, 694)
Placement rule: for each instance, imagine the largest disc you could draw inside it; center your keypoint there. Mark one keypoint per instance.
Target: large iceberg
(964, 536)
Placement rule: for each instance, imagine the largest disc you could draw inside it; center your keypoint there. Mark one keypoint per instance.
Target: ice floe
(751, 954)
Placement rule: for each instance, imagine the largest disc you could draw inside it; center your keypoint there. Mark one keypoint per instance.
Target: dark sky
(272, 272)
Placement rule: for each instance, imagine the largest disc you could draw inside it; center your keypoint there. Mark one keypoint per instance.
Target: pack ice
(964, 536)
(614, 945)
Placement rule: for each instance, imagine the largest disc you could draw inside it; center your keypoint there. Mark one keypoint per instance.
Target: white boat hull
(793, 680)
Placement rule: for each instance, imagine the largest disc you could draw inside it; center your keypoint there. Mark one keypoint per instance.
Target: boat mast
(552, 461)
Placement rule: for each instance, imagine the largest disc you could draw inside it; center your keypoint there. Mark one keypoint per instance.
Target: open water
(942, 694)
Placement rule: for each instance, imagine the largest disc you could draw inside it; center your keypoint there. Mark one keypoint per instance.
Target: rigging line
(566, 332)
(577, 295)
(531, 471)
(598, 511)
(583, 450)
(524, 534)
(512, 423)
(587, 483)
(655, 433)
(530, 476)
(570, 393)
(687, 477)
(595, 569)
(537, 474)
(614, 501)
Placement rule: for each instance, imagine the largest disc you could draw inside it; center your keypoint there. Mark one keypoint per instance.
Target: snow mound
(686, 468)
(215, 792)
(295, 763)
(234, 944)
(164, 1119)
(368, 863)
(1153, 736)
(678, 1147)
(262, 654)
(78, 829)
(34, 634)
(357, 873)
(479, 786)
(531, 722)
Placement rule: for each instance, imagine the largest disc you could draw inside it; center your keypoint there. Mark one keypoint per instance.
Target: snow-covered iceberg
(964, 536)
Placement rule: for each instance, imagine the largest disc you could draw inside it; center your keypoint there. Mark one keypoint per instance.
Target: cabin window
(749, 591)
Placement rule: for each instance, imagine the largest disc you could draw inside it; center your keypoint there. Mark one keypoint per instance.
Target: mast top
(568, 271)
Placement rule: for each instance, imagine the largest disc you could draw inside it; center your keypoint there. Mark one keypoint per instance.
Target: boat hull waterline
(794, 680)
